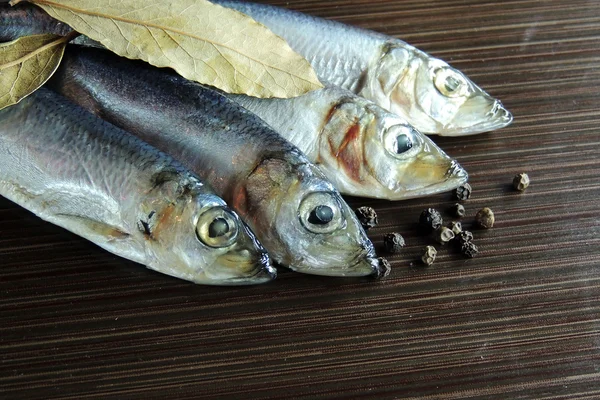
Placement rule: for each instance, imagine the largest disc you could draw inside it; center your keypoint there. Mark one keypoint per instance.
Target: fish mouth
(480, 113)
(454, 177)
(368, 266)
(431, 172)
(262, 272)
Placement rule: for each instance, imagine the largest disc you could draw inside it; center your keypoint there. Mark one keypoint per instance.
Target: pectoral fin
(88, 213)
(78, 223)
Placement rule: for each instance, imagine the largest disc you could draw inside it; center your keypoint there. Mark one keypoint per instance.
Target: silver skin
(428, 93)
(267, 180)
(363, 149)
(93, 179)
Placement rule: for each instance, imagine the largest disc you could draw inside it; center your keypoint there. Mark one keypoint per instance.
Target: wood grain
(521, 320)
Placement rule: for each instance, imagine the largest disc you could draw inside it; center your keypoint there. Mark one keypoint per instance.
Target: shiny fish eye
(321, 215)
(217, 227)
(402, 141)
(403, 144)
(450, 83)
(320, 212)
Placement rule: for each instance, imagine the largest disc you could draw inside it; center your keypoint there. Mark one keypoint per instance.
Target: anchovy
(294, 210)
(91, 178)
(363, 149)
(431, 95)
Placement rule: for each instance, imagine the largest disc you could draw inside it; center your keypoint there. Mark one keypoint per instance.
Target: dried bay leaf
(27, 63)
(202, 41)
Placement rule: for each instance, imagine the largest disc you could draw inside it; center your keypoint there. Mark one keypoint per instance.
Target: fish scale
(73, 144)
(328, 56)
(337, 62)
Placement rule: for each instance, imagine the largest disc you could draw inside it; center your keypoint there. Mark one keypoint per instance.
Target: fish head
(307, 225)
(431, 95)
(370, 152)
(193, 235)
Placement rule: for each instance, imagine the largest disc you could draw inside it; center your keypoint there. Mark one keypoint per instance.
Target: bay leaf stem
(67, 38)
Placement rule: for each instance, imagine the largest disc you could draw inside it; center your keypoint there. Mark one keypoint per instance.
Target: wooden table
(519, 321)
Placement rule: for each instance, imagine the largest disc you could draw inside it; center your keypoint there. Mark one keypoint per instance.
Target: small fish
(93, 179)
(363, 149)
(294, 210)
(431, 95)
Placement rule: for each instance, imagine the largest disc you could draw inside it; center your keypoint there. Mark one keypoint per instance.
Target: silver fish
(287, 201)
(363, 149)
(89, 177)
(431, 95)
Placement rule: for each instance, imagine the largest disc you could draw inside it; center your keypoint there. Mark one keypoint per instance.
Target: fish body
(362, 148)
(428, 93)
(294, 210)
(91, 178)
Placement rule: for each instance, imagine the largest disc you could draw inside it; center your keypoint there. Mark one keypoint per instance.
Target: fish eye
(321, 212)
(217, 227)
(402, 141)
(321, 215)
(450, 82)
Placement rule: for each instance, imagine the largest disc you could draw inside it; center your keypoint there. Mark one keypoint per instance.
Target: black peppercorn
(464, 237)
(485, 218)
(458, 210)
(367, 217)
(393, 242)
(463, 192)
(443, 235)
(383, 268)
(429, 254)
(430, 219)
(469, 249)
(456, 227)
(521, 181)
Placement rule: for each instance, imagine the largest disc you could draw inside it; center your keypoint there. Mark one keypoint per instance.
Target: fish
(296, 213)
(427, 92)
(363, 149)
(85, 175)
(431, 95)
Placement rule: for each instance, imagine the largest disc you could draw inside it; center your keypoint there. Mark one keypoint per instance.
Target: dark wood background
(519, 321)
